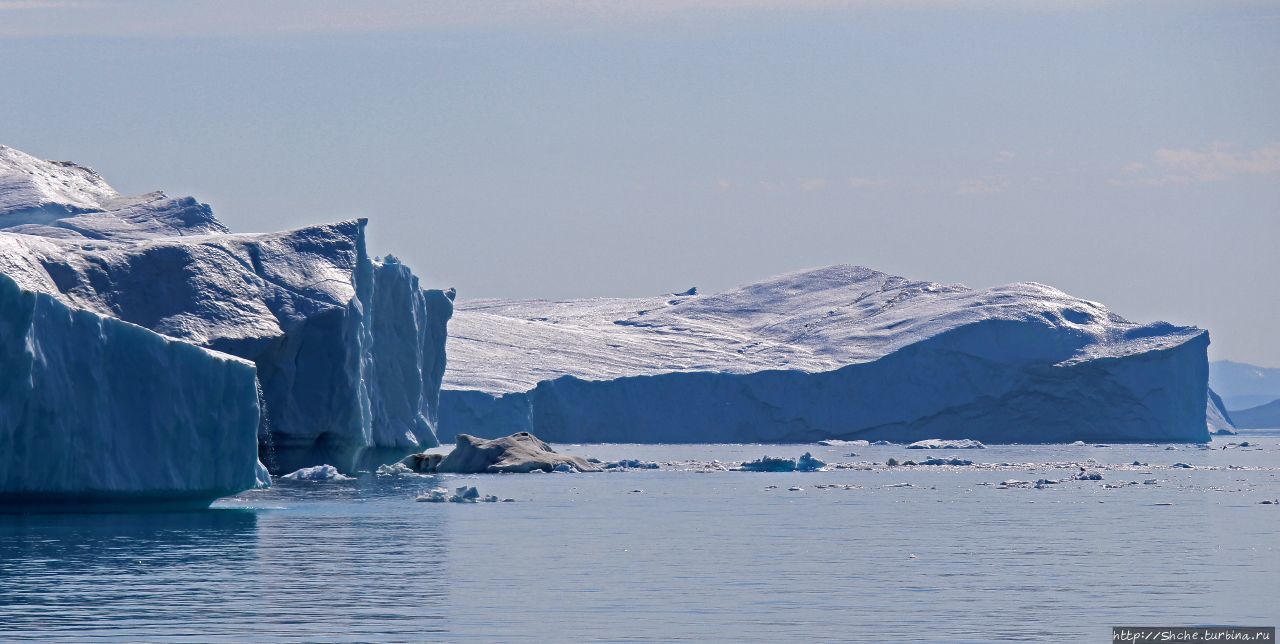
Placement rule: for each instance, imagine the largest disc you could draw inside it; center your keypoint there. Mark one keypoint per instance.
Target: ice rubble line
(349, 350)
(841, 352)
(78, 419)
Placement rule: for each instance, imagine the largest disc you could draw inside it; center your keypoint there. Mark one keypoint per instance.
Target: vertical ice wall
(92, 408)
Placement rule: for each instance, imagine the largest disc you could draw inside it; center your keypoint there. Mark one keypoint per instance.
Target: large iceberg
(348, 350)
(843, 352)
(79, 419)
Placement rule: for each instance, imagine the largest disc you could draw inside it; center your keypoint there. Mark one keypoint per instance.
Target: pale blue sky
(1126, 152)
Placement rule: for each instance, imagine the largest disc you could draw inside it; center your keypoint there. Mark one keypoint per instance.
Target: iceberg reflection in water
(322, 572)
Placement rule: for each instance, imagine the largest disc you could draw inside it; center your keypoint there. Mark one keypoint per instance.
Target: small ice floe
(1088, 475)
(882, 443)
(1078, 444)
(1269, 502)
(1012, 483)
(832, 442)
(1102, 445)
(806, 463)
(940, 443)
(1150, 482)
(1116, 486)
(946, 461)
(1138, 463)
(1171, 448)
(1182, 466)
(317, 473)
(630, 464)
(1044, 483)
(900, 485)
(1163, 503)
(795, 488)
(464, 494)
(912, 556)
(394, 469)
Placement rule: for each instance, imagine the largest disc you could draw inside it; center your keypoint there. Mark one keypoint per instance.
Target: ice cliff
(78, 412)
(843, 352)
(348, 351)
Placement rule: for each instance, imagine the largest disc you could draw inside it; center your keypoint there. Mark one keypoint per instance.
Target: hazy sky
(1126, 152)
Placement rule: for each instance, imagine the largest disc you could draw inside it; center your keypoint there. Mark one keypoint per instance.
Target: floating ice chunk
(1078, 443)
(518, 453)
(463, 494)
(806, 463)
(769, 464)
(882, 443)
(316, 473)
(839, 443)
(940, 443)
(1181, 466)
(1088, 475)
(434, 495)
(946, 461)
(630, 464)
(394, 469)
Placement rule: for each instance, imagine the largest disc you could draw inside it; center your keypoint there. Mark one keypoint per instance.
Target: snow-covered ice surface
(79, 420)
(842, 352)
(349, 350)
(864, 552)
(63, 200)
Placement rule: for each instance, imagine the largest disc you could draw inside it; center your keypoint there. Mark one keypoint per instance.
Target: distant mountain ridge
(1243, 385)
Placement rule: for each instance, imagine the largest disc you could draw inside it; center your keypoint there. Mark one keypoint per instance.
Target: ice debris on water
(316, 473)
(630, 464)
(1183, 466)
(464, 494)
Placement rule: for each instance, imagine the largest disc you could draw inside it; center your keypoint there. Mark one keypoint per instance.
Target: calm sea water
(678, 553)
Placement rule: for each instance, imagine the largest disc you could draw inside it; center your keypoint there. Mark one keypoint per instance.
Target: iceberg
(78, 419)
(842, 352)
(518, 453)
(937, 443)
(348, 349)
(1218, 420)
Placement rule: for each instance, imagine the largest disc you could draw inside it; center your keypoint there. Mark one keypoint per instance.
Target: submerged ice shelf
(842, 352)
(343, 353)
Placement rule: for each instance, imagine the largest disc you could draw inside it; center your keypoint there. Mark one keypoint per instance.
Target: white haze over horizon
(1125, 152)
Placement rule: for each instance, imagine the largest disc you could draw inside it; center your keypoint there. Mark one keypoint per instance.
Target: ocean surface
(923, 553)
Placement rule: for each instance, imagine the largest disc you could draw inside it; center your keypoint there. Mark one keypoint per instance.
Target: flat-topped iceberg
(347, 350)
(843, 352)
